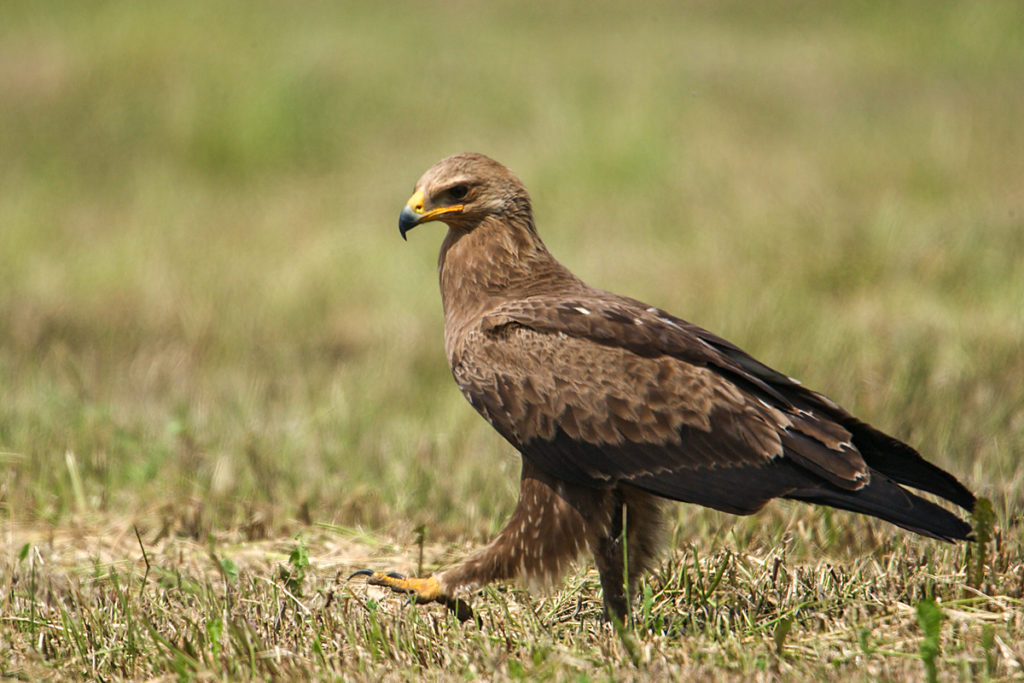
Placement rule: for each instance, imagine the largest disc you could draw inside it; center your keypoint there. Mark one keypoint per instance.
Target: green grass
(212, 331)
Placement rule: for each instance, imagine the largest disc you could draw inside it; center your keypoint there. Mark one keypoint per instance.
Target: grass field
(222, 384)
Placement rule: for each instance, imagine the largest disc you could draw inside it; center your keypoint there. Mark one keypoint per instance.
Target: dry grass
(91, 599)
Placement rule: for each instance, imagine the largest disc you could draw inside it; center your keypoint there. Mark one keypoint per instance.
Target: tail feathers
(904, 465)
(885, 499)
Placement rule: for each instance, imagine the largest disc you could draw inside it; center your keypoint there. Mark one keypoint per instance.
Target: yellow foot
(420, 590)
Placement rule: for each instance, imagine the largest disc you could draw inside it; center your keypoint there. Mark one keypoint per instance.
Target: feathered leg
(545, 533)
(641, 514)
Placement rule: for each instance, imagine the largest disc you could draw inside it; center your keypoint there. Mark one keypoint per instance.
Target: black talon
(463, 612)
(361, 572)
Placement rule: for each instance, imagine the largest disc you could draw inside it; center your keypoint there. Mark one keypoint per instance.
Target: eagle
(616, 406)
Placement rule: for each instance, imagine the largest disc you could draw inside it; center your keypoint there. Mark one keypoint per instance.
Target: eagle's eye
(458, 192)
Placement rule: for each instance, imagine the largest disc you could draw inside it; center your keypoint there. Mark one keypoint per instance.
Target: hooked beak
(407, 220)
(415, 212)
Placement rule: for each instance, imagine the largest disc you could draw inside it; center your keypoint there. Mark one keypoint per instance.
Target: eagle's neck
(497, 261)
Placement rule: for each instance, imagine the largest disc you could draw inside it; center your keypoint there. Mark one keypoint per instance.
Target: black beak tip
(408, 220)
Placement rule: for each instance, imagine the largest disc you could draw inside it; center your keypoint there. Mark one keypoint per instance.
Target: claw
(462, 611)
(361, 572)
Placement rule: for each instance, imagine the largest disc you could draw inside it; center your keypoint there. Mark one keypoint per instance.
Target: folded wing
(599, 389)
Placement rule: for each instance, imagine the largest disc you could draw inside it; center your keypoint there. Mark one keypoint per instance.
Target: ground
(120, 599)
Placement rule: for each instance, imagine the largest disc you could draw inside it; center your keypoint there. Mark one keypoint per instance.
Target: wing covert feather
(599, 390)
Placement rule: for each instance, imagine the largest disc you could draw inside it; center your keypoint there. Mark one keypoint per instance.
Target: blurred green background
(208, 315)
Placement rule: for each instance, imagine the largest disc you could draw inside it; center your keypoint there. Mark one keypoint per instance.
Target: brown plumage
(615, 405)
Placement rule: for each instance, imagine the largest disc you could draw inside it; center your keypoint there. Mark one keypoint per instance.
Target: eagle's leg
(641, 515)
(544, 534)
